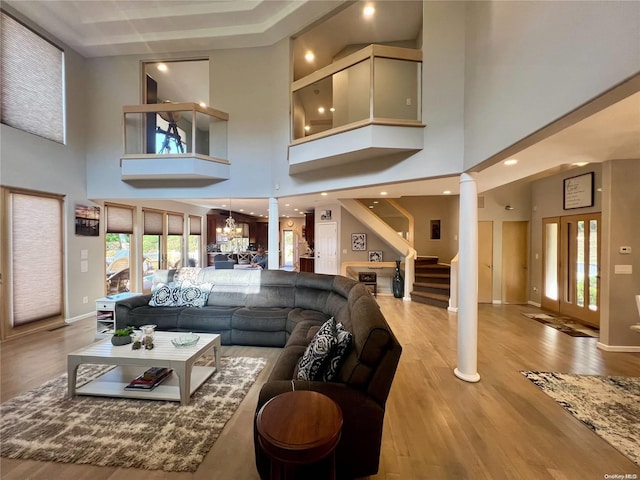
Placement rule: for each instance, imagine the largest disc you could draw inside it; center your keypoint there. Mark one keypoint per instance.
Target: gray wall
(529, 63)
(621, 227)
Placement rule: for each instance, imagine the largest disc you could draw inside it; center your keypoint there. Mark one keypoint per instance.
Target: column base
(475, 377)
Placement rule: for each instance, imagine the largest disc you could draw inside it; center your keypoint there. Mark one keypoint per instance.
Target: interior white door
(326, 248)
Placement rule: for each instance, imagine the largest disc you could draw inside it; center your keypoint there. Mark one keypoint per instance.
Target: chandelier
(231, 230)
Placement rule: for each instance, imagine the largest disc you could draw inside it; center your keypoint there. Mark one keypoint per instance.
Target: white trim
(619, 348)
(80, 317)
(535, 304)
(453, 309)
(496, 302)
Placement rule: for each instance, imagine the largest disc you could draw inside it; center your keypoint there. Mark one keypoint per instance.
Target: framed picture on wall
(87, 221)
(577, 191)
(375, 256)
(358, 241)
(435, 229)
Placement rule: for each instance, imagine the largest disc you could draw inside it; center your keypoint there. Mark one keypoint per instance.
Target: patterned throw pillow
(312, 363)
(343, 342)
(165, 294)
(193, 294)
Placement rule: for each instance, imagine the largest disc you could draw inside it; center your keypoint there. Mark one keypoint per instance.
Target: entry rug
(45, 425)
(610, 406)
(564, 324)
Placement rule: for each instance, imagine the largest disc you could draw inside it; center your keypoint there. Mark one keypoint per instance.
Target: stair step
(443, 288)
(434, 299)
(444, 276)
(426, 260)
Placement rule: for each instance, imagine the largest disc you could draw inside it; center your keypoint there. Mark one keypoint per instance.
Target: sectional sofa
(285, 309)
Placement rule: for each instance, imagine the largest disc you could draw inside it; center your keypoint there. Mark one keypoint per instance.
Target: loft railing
(375, 85)
(174, 130)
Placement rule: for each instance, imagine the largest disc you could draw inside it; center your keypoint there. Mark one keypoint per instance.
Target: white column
(273, 262)
(467, 368)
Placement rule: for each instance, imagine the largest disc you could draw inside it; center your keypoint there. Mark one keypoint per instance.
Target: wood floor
(436, 426)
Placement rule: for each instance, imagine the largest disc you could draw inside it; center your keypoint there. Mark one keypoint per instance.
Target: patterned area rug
(564, 324)
(45, 425)
(610, 406)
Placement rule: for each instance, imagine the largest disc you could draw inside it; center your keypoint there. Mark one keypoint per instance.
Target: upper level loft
(174, 141)
(364, 105)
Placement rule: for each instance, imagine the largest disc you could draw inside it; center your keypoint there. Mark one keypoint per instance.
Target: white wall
(529, 63)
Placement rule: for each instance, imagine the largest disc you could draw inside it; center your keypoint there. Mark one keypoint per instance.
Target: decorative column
(467, 368)
(273, 261)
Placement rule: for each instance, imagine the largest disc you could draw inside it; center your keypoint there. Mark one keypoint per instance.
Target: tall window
(31, 81)
(117, 248)
(32, 260)
(194, 242)
(175, 235)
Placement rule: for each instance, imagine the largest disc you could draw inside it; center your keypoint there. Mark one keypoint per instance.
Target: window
(117, 247)
(175, 235)
(34, 263)
(31, 81)
(194, 243)
(170, 139)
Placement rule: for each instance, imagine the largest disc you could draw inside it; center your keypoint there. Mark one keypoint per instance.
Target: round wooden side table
(299, 428)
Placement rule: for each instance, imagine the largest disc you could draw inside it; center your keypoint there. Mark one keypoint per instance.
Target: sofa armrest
(123, 307)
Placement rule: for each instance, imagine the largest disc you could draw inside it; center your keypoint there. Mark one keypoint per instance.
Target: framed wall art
(87, 221)
(577, 191)
(358, 241)
(375, 255)
(435, 229)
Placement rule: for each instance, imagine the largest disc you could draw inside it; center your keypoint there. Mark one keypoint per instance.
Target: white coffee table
(132, 363)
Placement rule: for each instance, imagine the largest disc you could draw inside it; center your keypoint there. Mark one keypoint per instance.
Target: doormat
(564, 324)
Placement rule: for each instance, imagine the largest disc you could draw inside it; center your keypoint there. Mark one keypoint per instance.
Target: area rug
(564, 324)
(45, 425)
(610, 406)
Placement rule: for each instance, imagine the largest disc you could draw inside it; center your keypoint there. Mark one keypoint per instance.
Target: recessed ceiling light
(321, 110)
(307, 128)
(250, 213)
(287, 204)
(295, 209)
(332, 109)
(383, 193)
(242, 209)
(511, 161)
(370, 206)
(309, 57)
(376, 201)
(368, 11)
(580, 164)
(447, 192)
(224, 205)
(163, 67)
(324, 194)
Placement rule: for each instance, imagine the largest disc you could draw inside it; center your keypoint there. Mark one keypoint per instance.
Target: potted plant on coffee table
(122, 336)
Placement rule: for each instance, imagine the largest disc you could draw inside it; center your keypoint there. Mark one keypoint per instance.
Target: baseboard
(534, 304)
(619, 348)
(496, 302)
(80, 317)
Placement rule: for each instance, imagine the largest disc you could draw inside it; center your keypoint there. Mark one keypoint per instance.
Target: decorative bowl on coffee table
(185, 340)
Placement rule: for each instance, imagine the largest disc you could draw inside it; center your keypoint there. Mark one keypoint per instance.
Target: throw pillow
(165, 294)
(343, 342)
(312, 363)
(193, 294)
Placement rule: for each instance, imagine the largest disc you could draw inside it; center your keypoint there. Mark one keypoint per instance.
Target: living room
(474, 114)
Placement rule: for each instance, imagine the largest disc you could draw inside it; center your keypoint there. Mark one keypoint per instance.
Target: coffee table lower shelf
(112, 383)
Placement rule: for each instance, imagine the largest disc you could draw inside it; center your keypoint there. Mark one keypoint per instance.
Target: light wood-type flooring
(436, 426)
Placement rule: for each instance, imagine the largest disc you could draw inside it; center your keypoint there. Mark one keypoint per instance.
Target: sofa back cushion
(371, 338)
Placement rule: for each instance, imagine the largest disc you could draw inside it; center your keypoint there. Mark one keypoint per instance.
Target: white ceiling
(122, 27)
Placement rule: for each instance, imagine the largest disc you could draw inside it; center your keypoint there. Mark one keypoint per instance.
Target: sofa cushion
(318, 352)
(165, 295)
(337, 355)
(192, 294)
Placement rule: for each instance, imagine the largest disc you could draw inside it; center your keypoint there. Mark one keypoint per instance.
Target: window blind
(195, 225)
(36, 258)
(176, 224)
(119, 219)
(31, 81)
(152, 222)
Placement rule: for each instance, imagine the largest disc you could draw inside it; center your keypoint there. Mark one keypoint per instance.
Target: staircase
(432, 283)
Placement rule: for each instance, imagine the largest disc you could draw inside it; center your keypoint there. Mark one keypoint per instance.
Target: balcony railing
(157, 136)
(376, 85)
